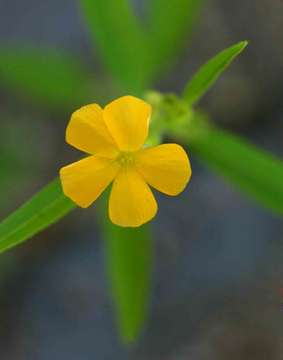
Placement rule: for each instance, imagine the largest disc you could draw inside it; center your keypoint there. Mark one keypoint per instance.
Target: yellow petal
(87, 131)
(127, 119)
(165, 167)
(131, 201)
(84, 180)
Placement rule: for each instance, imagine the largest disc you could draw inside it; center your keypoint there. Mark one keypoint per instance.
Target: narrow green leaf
(210, 72)
(45, 208)
(170, 25)
(128, 252)
(51, 77)
(129, 260)
(129, 257)
(256, 172)
(17, 167)
(121, 40)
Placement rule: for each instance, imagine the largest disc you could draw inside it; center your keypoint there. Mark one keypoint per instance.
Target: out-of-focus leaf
(120, 39)
(129, 259)
(126, 51)
(17, 167)
(51, 77)
(171, 23)
(45, 208)
(128, 252)
(210, 72)
(256, 172)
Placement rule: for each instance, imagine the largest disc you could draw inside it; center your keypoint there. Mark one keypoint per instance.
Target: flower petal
(87, 131)
(84, 180)
(127, 119)
(165, 167)
(131, 200)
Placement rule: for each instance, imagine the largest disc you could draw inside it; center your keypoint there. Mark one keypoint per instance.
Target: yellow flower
(114, 137)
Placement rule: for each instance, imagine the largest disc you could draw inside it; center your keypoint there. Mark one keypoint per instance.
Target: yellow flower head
(114, 137)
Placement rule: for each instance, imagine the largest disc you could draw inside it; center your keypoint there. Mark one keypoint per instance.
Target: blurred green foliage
(256, 172)
(135, 51)
(119, 36)
(47, 76)
(129, 258)
(170, 24)
(16, 166)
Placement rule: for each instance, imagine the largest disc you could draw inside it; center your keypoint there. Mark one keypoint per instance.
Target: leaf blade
(129, 266)
(121, 41)
(171, 23)
(51, 77)
(129, 260)
(43, 209)
(128, 252)
(254, 171)
(210, 71)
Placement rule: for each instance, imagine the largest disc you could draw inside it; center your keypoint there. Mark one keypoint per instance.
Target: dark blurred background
(218, 273)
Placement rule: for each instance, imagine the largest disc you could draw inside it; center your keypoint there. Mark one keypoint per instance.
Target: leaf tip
(243, 44)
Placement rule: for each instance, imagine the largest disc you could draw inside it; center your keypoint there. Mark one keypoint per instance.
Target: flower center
(126, 158)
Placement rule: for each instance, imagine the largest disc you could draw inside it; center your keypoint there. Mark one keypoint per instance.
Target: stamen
(126, 158)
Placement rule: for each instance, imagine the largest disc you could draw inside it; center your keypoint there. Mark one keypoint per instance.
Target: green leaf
(17, 167)
(171, 22)
(210, 72)
(50, 77)
(129, 259)
(121, 41)
(256, 172)
(128, 252)
(45, 208)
